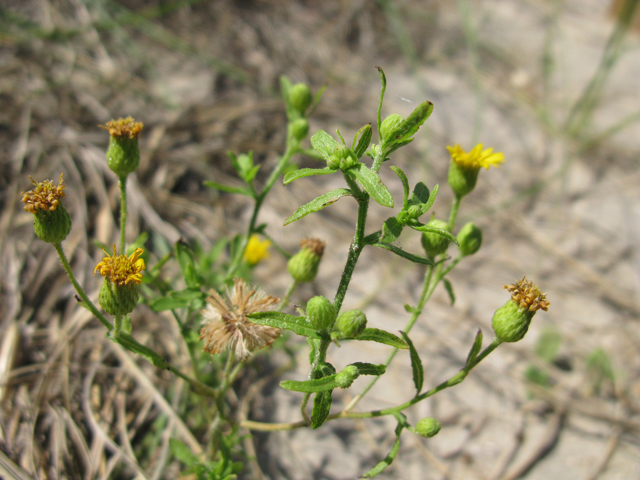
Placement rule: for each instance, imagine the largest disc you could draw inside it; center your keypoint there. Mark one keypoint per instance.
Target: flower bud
(389, 125)
(428, 427)
(119, 291)
(470, 239)
(299, 128)
(321, 312)
(464, 167)
(462, 178)
(333, 162)
(51, 221)
(351, 323)
(511, 321)
(345, 378)
(433, 243)
(300, 97)
(303, 266)
(123, 154)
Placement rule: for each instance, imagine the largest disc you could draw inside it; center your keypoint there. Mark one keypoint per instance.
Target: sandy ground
(563, 210)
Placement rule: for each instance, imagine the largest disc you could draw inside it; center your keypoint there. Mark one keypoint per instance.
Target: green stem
(454, 212)
(291, 150)
(117, 327)
(123, 213)
(287, 296)
(87, 303)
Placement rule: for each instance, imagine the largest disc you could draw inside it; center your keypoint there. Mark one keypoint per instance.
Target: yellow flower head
(476, 158)
(45, 196)
(120, 269)
(123, 127)
(257, 250)
(528, 295)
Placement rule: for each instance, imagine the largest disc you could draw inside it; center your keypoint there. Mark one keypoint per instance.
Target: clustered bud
(51, 221)
(511, 321)
(433, 243)
(351, 323)
(123, 154)
(321, 312)
(303, 266)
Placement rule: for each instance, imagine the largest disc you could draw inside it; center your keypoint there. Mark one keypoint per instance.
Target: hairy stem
(123, 213)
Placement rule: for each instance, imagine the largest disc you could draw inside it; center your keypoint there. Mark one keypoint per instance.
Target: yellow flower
(123, 127)
(45, 196)
(120, 269)
(257, 250)
(226, 326)
(476, 158)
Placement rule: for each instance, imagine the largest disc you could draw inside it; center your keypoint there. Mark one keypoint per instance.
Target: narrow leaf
(383, 80)
(449, 288)
(439, 231)
(424, 208)
(403, 254)
(369, 368)
(324, 143)
(416, 364)
(306, 172)
(363, 143)
(250, 174)
(184, 255)
(298, 325)
(321, 408)
(388, 460)
(405, 185)
(391, 230)
(166, 303)
(311, 386)
(182, 452)
(475, 349)
(382, 336)
(371, 184)
(318, 204)
(228, 189)
(399, 144)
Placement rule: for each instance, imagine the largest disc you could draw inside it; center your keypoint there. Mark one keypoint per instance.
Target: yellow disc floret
(123, 127)
(45, 195)
(477, 157)
(120, 269)
(528, 295)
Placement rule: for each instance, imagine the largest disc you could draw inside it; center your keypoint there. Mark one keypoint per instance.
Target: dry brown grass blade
(10, 471)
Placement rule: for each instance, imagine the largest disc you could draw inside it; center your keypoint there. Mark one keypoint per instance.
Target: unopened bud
(303, 266)
(470, 239)
(389, 125)
(299, 128)
(321, 312)
(433, 243)
(351, 323)
(300, 97)
(428, 427)
(345, 378)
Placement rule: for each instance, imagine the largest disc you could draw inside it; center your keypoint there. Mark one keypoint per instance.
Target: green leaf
(285, 86)
(228, 189)
(405, 185)
(475, 349)
(389, 150)
(416, 364)
(391, 230)
(548, 345)
(409, 309)
(321, 408)
(318, 204)
(371, 184)
(185, 257)
(307, 172)
(383, 80)
(411, 125)
(449, 288)
(403, 254)
(182, 452)
(369, 368)
(249, 175)
(311, 386)
(363, 143)
(420, 194)
(324, 143)
(131, 344)
(388, 460)
(166, 303)
(284, 321)
(382, 336)
(439, 231)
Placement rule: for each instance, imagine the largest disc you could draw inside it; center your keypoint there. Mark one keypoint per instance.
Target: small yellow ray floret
(45, 196)
(257, 250)
(476, 158)
(123, 127)
(120, 269)
(528, 295)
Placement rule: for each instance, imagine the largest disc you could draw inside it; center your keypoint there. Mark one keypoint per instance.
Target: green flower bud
(299, 128)
(345, 378)
(470, 238)
(351, 323)
(433, 243)
(511, 321)
(51, 221)
(464, 167)
(462, 179)
(414, 211)
(303, 266)
(389, 125)
(123, 154)
(300, 97)
(333, 162)
(428, 427)
(321, 312)
(117, 299)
